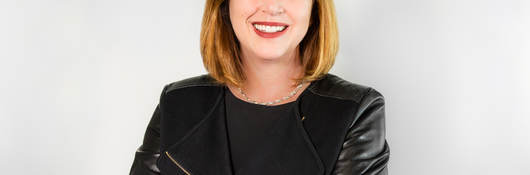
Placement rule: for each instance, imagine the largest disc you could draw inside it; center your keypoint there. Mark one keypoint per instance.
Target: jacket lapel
(205, 149)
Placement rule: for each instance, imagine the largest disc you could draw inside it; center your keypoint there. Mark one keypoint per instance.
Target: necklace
(292, 93)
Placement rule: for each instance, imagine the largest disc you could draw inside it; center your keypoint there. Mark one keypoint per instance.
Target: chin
(270, 53)
(270, 56)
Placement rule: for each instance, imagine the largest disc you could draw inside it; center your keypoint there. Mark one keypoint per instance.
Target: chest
(199, 142)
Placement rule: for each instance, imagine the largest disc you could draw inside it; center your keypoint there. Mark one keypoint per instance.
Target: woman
(268, 104)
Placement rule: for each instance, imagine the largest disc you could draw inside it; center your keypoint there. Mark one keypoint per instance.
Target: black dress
(254, 131)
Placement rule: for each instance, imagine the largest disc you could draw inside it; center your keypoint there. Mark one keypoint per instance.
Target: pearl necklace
(274, 101)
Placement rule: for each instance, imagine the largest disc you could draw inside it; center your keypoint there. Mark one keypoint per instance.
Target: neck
(271, 79)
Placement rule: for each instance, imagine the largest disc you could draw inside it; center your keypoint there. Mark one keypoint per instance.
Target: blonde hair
(221, 53)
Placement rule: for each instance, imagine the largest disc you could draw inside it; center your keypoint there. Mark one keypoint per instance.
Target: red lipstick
(270, 35)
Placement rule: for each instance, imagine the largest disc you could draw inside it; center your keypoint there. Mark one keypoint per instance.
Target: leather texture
(340, 130)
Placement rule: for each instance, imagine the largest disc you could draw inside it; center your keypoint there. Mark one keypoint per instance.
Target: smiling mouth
(269, 27)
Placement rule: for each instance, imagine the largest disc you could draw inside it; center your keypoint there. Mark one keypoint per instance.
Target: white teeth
(269, 29)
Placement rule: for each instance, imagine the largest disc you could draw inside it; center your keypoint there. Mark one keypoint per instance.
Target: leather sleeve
(147, 154)
(365, 149)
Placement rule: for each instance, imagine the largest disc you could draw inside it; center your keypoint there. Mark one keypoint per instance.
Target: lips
(270, 29)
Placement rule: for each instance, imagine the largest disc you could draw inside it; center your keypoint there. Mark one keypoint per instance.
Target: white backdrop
(80, 80)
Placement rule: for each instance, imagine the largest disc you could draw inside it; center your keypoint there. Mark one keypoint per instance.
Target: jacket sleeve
(147, 154)
(365, 149)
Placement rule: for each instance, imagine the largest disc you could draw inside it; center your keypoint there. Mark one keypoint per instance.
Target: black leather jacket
(340, 130)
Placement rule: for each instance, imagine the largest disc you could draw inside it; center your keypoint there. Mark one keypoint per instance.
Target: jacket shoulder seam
(195, 81)
(332, 86)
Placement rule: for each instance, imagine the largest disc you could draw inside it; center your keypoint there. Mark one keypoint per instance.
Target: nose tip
(272, 8)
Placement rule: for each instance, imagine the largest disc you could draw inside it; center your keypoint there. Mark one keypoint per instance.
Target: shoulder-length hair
(221, 52)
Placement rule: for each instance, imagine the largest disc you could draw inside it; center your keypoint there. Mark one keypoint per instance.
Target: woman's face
(270, 29)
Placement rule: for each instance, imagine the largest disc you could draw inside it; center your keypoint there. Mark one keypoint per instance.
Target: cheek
(240, 10)
(301, 15)
(300, 9)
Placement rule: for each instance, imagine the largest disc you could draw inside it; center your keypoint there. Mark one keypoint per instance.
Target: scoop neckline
(238, 100)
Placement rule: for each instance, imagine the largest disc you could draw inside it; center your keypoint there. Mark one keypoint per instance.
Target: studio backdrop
(80, 80)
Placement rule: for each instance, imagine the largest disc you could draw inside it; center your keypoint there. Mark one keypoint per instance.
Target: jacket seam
(349, 128)
(335, 97)
(191, 85)
(355, 117)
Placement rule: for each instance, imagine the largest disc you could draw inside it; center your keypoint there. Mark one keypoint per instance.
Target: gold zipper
(176, 163)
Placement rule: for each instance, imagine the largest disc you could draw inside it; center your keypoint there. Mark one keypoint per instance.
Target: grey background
(81, 78)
